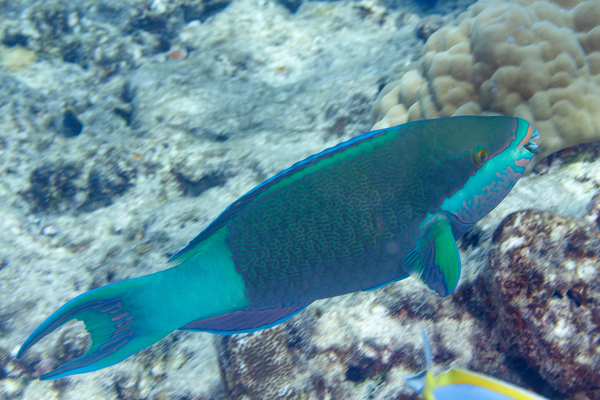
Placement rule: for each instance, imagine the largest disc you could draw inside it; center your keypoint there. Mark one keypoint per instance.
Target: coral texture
(303, 359)
(539, 60)
(545, 284)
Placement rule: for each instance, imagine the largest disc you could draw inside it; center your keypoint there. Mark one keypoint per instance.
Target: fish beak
(531, 146)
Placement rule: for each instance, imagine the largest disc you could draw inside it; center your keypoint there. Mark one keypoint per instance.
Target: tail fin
(116, 317)
(127, 316)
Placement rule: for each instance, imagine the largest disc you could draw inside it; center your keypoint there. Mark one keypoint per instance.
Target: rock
(52, 187)
(306, 359)
(260, 366)
(107, 180)
(544, 278)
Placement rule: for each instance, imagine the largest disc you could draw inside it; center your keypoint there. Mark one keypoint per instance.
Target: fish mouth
(531, 146)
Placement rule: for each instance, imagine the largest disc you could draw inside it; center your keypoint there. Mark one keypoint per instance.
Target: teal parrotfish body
(370, 211)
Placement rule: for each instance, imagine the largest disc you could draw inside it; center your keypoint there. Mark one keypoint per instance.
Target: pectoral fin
(435, 259)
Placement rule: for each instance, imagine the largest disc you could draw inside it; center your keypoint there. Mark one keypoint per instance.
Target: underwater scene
(299, 200)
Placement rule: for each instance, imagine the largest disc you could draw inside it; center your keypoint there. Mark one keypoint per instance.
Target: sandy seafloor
(182, 111)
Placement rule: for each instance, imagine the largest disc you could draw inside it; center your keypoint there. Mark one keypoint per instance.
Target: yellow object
(534, 59)
(460, 384)
(457, 376)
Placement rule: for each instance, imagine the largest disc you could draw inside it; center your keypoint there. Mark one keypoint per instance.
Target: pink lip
(528, 136)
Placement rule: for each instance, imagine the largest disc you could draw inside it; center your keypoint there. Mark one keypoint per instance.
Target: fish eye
(480, 155)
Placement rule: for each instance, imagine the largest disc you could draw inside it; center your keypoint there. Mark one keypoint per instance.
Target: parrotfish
(367, 212)
(460, 384)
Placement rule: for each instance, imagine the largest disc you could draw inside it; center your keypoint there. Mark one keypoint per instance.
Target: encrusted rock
(52, 186)
(107, 180)
(327, 351)
(260, 366)
(545, 283)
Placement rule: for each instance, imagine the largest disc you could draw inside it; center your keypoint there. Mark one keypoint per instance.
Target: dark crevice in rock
(4, 358)
(3, 263)
(127, 93)
(356, 373)
(15, 40)
(428, 26)
(105, 182)
(72, 53)
(471, 239)
(349, 117)
(531, 377)
(291, 5)
(126, 114)
(475, 297)
(441, 353)
(575, 298)
(195, 188)
(71, 126)
(212, 8)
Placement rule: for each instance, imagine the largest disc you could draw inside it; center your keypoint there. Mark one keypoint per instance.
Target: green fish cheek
(480, 205)
(486, 189)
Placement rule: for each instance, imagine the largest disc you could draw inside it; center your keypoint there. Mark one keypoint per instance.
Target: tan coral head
(536, 60)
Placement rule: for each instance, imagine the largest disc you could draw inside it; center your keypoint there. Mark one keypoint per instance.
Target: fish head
(497, 153)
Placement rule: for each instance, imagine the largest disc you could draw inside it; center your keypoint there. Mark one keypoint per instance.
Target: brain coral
(539, 60)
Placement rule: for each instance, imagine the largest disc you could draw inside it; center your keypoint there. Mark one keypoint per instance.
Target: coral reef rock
(538, 60)
(323, 352)
(544, 278)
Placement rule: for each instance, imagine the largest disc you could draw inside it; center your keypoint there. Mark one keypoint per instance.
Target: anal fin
(243, 321)
(435, 259)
